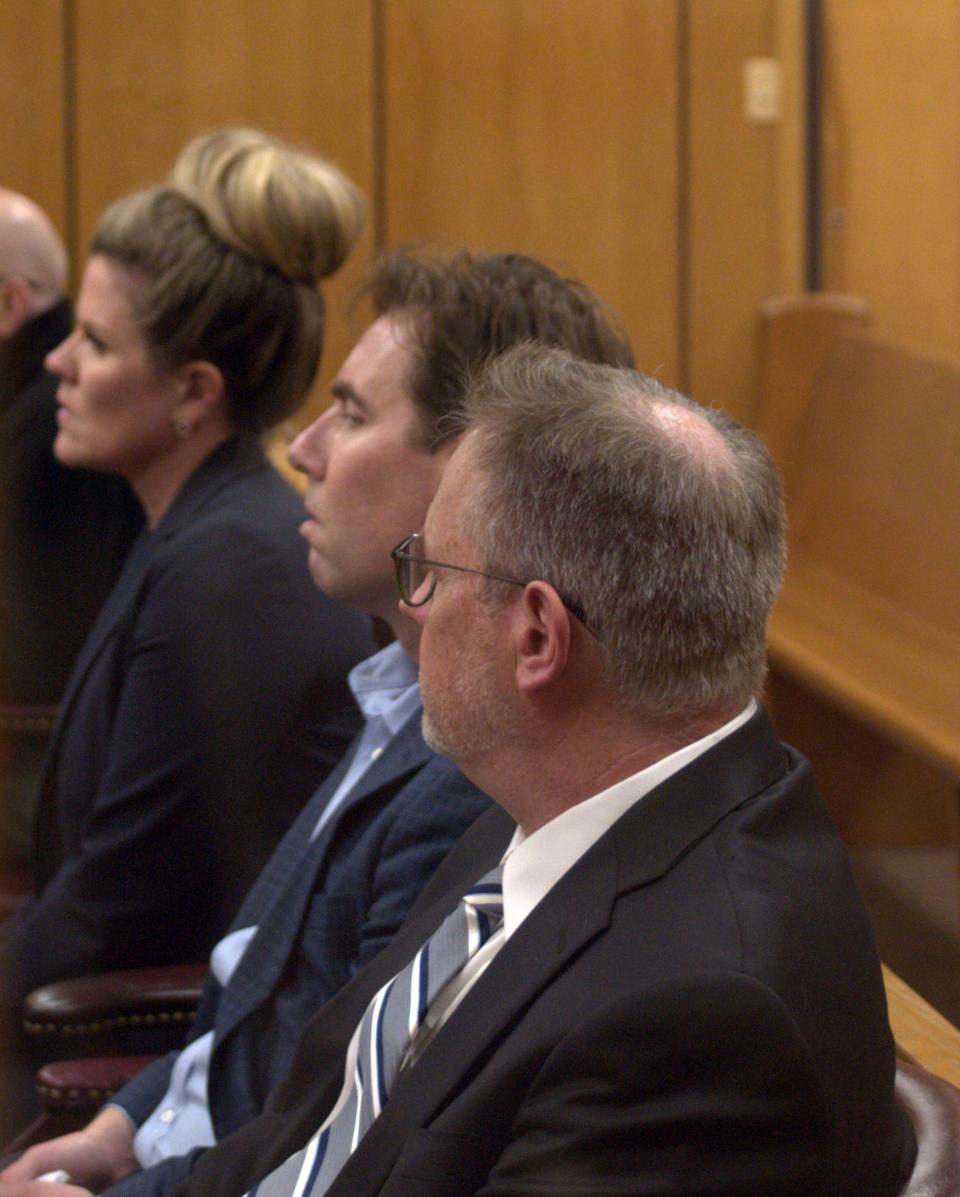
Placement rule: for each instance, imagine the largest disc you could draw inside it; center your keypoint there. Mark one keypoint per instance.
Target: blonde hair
(292, 209)
(228, 256)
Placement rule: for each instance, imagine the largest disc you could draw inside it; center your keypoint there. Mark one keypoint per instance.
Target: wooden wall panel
(744, 185)
(890, 234)
(790, 44)
(32, 128)
(302, 70)
(892, 164)
(547, 126)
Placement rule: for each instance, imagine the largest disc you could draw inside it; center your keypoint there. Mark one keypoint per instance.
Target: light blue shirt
(387, 693)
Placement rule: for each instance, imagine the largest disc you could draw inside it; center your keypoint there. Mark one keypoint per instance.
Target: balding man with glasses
(647, 969)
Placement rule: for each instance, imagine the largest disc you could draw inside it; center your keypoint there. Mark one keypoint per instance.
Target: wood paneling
(543, 126)
(609, 138)
(552, 126)
(892, 164)
(302, 70)
(791, 196)
(923, 1036)
(877, 794)
(32, 128)
(744, 182)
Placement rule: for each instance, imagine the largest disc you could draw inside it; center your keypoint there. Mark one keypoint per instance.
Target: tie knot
(486, 894)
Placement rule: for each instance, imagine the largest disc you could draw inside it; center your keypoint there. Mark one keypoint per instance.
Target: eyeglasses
(417, 580)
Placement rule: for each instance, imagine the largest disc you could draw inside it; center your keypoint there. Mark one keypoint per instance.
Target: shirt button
(376, 754)
(167, 1115)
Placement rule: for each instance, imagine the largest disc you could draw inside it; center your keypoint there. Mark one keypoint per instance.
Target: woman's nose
(59, 361)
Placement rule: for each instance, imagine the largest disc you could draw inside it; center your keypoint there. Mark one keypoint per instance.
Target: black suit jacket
(208, 702)
(695, 1008)
(64, 533)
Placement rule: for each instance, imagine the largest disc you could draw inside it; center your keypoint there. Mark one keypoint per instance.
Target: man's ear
(16, 304)
(541, 637)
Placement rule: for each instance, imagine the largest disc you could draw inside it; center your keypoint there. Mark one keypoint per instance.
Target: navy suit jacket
(64, 533)
(695, 1008)
(205, 707)
(324, 908)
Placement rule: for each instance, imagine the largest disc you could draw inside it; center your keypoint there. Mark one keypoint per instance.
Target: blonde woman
(210, 698)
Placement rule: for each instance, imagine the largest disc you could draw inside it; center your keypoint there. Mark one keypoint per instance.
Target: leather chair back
(934, 1108)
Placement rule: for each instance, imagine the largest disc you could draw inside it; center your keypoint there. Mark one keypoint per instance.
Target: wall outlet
(762, 90)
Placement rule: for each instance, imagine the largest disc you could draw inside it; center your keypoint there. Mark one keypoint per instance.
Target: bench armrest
(137, 1011)
(84, 1085)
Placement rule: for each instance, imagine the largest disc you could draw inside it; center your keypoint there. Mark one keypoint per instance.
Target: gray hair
(662, 519)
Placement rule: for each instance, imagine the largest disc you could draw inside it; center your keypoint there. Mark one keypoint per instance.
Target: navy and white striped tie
(388, 1028)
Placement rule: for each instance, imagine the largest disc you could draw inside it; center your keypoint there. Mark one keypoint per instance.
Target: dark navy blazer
(324, 909)
(207, 704)
(64, 533)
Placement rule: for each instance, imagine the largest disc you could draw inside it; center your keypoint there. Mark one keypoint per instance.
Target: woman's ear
(202, 392)
(541, 637)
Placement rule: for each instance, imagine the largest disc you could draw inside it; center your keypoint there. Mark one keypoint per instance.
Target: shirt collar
(534, 864)
(386, 685)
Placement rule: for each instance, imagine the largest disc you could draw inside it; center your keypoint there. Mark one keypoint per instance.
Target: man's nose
(307, 453)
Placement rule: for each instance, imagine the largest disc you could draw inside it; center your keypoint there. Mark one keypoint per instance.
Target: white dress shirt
(532, 865)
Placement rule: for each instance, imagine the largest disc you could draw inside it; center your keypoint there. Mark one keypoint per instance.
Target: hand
(94, 1158)
(40, 1188)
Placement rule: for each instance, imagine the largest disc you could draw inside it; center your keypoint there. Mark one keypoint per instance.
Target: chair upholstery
(132, 1012)
(933, 1105)
(71, 1092)
(139, 1012)
(84, 1085)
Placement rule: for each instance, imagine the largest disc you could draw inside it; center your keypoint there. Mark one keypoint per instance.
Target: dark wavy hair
(474, 306)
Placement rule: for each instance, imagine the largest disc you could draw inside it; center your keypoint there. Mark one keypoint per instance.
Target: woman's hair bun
(284, 206)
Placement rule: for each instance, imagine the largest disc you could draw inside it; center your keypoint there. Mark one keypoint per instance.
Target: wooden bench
(923, 1036)
(867, 434)
(928, 1073)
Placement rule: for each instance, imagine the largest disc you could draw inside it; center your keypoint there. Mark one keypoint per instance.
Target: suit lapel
(554, 933)
(229, 461)
(303, 860)
(639, 848)
(114, 609)
(221, 468)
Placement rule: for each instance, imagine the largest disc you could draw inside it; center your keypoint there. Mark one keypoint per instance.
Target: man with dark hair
(63, 533)
(647, 969)
(472, 301)
(343, 878)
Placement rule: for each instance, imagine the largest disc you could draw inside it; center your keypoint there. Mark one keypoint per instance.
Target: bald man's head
(33, 262)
